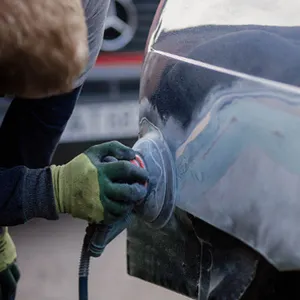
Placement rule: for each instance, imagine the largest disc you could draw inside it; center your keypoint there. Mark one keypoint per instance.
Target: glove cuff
(38, 200)
(76, 189)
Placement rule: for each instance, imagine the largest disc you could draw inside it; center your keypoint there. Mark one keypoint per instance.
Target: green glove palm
(91, 189)
(9, 272)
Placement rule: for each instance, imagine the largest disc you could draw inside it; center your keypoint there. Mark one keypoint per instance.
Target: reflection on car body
(222, 85)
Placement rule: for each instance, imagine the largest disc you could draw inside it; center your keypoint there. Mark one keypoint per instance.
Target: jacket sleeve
(29, 135)
(31, 129)
(26, 194)
(95, 15)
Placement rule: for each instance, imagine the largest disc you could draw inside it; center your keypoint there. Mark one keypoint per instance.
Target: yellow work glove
(9, 272)
(92, 189)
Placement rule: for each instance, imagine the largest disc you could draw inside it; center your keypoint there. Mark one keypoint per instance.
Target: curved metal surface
(223, 89)
(221, 82)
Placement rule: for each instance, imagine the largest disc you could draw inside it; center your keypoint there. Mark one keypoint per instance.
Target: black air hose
(84, 265)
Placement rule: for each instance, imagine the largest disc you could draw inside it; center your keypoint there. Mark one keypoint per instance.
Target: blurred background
(48, 252)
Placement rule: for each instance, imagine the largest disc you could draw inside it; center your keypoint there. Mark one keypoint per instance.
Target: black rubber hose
(83, 274)
(95, 243)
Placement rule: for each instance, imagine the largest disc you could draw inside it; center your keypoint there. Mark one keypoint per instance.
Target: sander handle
(101, 234)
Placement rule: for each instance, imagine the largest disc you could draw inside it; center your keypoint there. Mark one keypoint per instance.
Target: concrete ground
(48, 256)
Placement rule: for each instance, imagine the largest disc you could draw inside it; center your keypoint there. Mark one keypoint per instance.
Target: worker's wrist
(38, 200)
(55, 175)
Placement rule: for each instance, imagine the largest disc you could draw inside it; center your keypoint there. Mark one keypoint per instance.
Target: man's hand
(94, 190)
(9, 272)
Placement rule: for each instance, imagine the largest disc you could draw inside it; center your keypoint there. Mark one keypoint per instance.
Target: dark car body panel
(222, 85)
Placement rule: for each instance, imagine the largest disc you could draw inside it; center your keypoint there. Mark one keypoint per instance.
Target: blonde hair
(43, 46)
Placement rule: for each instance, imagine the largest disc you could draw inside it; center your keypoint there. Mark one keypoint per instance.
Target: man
(86, 187)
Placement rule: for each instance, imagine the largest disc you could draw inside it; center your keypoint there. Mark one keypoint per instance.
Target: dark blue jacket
(29, 135)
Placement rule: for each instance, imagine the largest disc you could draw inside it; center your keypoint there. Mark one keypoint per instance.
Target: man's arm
(30, 133)
(31, 129)
(95, 15)
(26, 194)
